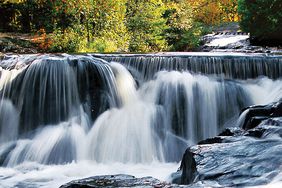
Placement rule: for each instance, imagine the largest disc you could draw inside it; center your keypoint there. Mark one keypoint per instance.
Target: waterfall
(195, 107)
(50, 89)
(9, 121)
(130, 109)
(233, 66)
(48, 104)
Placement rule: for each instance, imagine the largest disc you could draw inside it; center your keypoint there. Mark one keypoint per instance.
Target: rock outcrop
(247, 156)
(254, 115)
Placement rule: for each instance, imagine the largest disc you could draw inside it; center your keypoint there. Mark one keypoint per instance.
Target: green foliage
(67, 41)
(109, 27)
(101, 45)
(190, 39)
(115, 25)
(262, 18)
(179, 21)
(184, 32)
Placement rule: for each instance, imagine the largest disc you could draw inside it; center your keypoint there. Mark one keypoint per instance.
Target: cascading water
(83, 112)
(232, 65)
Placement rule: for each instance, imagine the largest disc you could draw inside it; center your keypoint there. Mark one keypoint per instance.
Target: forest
(128, 25)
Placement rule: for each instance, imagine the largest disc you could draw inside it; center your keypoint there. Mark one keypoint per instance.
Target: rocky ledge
(238, 157)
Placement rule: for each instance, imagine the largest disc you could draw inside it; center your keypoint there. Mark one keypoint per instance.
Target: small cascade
(264, 90)
(233, 66)
(126, 86)
(126, 134)
(194, 107)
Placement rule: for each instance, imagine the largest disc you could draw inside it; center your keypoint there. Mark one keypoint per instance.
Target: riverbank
(18, 43)
(221, 40)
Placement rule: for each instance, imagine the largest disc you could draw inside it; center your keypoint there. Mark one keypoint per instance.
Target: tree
(146, 25)
(117, 25)
(213, 12)
(108, 25)
(230, 10)
(263, 19)
(8, 16)
(180, 21)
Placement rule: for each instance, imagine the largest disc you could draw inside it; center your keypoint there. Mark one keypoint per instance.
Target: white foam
(47, 176)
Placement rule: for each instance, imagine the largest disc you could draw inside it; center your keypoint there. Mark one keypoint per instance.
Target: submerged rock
(119, 180)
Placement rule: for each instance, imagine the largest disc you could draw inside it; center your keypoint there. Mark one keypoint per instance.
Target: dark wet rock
(120, 180)
(211, 140)
(243, 158)
(188, 168)
(268, 40)
(254, 121)
(254, 115)
(226, 132)
(257, 133)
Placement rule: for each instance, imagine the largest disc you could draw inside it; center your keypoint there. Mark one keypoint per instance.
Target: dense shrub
(67, 41)
(190, 39)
